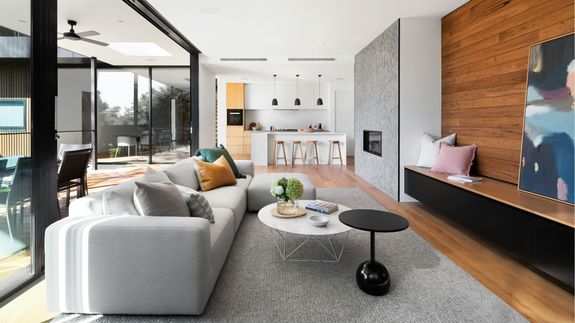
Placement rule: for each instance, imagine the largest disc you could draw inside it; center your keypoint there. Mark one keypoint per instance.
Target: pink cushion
(454, 160)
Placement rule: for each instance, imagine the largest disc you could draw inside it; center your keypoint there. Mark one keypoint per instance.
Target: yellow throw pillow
(214, 175)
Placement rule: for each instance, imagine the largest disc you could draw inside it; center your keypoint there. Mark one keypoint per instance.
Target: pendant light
(275, 101)
(319, 100)
(297, 100)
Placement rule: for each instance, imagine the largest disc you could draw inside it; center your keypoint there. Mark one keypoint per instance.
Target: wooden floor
(536, 298)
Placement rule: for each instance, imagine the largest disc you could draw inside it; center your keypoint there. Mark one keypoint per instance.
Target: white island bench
(263, 141)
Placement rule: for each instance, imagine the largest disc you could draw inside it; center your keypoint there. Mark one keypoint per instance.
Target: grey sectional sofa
(131, 264)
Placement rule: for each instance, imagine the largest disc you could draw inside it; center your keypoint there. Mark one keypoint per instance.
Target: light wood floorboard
(535, 297)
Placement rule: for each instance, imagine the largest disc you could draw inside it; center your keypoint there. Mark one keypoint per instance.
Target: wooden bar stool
(294, 152)
(331, 156)
(275, 158)
(313, 145)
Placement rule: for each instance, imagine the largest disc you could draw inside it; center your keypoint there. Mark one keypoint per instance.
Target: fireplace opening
(372, 142)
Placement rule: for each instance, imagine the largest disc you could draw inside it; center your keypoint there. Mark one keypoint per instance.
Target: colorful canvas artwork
(547, 157)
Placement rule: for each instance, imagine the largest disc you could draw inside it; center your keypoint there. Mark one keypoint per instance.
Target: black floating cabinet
(530, 238)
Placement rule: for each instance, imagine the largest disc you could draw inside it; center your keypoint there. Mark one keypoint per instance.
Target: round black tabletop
(373, 220)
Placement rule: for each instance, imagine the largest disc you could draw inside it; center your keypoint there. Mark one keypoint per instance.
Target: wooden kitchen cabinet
(235, 95)
(238, 142)
(235, 131)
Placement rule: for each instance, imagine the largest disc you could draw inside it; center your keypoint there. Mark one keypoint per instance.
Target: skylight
(139, 49)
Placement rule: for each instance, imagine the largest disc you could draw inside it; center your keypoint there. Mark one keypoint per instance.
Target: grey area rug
(256, 286)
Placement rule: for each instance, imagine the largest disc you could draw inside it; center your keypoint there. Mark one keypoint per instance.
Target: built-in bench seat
(536, 230)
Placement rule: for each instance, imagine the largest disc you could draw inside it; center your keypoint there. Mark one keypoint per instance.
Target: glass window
(123, 117)
(171, 114)
(16, 230)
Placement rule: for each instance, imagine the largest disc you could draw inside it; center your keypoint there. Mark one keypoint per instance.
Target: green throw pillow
(212, 154)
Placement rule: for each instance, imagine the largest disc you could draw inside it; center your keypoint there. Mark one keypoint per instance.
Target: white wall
(71, 83)
(207, 106)
(288, 118)
(221, 122)
(419, 87)
(333, 89)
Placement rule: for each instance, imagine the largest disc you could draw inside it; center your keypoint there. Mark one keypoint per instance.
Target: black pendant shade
(319, 100)
(275, 101)
(297, 100)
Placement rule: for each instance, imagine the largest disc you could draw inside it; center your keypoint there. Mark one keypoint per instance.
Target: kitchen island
(263, 143)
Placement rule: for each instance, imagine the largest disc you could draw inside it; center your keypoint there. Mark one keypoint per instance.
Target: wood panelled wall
(485, 48)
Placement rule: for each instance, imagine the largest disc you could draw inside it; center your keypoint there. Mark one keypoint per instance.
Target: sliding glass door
(16, 229)
(170, 114)
(123, 116)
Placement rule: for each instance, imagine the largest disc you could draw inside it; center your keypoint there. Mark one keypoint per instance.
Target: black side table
(372, 277)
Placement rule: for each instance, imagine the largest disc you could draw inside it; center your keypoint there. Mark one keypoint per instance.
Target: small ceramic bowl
(318, 220)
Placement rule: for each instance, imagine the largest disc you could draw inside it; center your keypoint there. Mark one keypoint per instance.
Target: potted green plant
(287, 191)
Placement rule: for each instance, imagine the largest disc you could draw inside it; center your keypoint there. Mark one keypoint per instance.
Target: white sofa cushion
(118, 203)
(229, 197)
(221, 240)
(429, 149)
(244, 182)
(123, 193)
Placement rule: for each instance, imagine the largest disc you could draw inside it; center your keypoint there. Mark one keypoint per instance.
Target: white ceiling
(113, 19)
(274, 29)
(277, 29)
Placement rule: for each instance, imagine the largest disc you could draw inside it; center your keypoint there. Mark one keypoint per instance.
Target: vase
(287, 207)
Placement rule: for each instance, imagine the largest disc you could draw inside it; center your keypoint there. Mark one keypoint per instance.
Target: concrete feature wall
(376, 102)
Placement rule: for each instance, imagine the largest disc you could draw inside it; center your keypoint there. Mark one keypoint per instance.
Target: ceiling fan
(72, 35)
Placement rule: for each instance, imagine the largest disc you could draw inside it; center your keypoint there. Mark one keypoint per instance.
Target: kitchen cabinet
(235, 95)
(238, 142)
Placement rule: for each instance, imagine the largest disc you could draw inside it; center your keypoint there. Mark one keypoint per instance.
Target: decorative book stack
(322, 207)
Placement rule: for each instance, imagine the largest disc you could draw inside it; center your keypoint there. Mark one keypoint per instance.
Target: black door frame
(44, 77)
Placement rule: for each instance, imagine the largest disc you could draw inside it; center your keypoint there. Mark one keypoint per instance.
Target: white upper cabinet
(259, 96)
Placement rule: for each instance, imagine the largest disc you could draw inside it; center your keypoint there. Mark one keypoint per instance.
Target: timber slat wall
(15, 84)
(485, 48)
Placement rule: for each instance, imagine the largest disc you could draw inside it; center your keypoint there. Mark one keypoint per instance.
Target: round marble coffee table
(281, 228)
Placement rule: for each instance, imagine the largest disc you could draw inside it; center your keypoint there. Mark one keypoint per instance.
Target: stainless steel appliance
(235, 117)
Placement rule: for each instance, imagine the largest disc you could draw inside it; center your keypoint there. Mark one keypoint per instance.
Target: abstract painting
(547, 165)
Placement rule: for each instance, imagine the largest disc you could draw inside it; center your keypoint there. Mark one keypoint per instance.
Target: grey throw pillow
(184, 173)
(198, 205)
(159, 199)
(154, 176)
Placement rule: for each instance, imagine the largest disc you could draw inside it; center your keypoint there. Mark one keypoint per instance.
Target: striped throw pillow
(197, 203)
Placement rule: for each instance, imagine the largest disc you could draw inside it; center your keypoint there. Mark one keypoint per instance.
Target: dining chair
(68, 147)
(73, 171)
